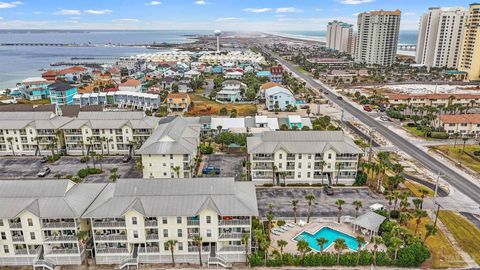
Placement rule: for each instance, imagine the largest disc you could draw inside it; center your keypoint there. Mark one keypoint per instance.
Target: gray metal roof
(175, 197)
(112, 120)
(370, 221)
(179, 136)
(39, 120)
(46, 198)
(302, 142)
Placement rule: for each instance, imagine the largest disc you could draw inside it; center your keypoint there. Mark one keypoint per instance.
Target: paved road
(452, 177)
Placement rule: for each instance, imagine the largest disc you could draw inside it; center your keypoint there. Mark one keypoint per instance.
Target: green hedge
(82, 173)
(439, 135)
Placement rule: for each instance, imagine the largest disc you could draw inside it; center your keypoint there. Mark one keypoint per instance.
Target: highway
(452, 177)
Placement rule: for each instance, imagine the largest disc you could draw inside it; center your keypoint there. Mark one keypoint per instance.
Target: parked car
(367, 108)
(211, 170)
(304, 107)
(382, 108)
(126, 158)
(44, 159)
(385, 118)
(44, 172)
(328, 190)
(339, 97)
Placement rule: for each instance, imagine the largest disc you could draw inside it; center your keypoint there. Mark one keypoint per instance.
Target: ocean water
(18, 63)
(405, 37)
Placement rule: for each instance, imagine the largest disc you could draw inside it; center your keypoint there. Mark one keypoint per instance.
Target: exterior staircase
(41, 262)
(131, 260)
(219, 261)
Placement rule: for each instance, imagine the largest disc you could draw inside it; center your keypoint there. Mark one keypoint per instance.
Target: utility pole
(370, 144)
(436, 215)
(436, 188)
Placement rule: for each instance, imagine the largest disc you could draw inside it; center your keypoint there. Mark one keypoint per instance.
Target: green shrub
(82, 173)
(53, 158)
(476, 153)
(394, 214)
(268, 185)
(439, 135)
(206, 150)
(413, 255)
(395, 114)
(411, 125)
(360, 179)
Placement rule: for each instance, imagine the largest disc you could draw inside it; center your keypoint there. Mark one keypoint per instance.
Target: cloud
(288, 10)
(1, 18)
(409, 14)
(355, 2)
(97, 12)
(228, 19)
(37, 12)
(153, 3)
(126, 20)
(9, 4)
(257, 10)
(200, 2)
(68, 12)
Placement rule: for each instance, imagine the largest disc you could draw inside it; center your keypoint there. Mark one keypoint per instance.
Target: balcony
(263, 158)
(60, 238)
(346, 158)
(58, 224)
(148, 250)
(193, 222)
(234, 222)
(21, 251)
(290, 157)
(152, 237)
(195, 249)
(111, 250)
(232, 235)
(111, 237)
(62, 251)
(15, 225)
(18, 238)
(232, 249)
(193, 235)
(109, 224)
(290, 167)
(151, 223)
(262, 167)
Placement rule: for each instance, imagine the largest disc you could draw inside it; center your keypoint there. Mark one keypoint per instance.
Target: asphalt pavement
(455, 179)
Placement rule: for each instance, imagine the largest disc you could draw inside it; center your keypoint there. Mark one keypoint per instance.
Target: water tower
(217, 34)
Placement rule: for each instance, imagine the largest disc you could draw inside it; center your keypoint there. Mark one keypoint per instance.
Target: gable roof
(39, 120)
(60, 86)
(277, 90)
(175, 197)
(104, 120)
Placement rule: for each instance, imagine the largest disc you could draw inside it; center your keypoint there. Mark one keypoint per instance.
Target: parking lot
(230, 165)
(28, 167)
(323, 206)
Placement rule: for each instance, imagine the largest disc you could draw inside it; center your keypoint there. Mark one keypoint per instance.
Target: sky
(245, 15)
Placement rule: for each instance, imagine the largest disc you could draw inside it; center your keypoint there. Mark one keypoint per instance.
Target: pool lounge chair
(275, 233)
(280, 229)
(285, 228)
(290, 225)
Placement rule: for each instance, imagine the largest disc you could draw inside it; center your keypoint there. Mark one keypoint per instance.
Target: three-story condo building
(303, 156)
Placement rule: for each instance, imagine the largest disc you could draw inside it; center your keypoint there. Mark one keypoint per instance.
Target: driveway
(28, 167)
(324, 206)
(230, 165)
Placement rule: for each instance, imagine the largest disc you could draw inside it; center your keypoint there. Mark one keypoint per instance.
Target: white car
(44, 172)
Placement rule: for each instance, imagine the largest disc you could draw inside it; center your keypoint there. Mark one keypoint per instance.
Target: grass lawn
(414, 188)
(466, 234)
(414, 131)
(456, 154)
(443, 253)
(34, 102)
(205, 106)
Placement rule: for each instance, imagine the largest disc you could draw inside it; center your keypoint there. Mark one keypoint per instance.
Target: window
(32, 236)
(135, 234)
(209, 219)
(5, 249)
(165, 246)
(309, 156)
(308, 174)
(180, 233)
(3, 236)
(309, 165)
(171, 156)
(329, 155)
(180, 246)
(30, 222)
(279, 156)
(1, 222)
(209, 233)
(134, 220)
(165, 232)
(179, 220)
(279, 165)
(164, 220)
(299, 175)
(299, 156)
(299, 165)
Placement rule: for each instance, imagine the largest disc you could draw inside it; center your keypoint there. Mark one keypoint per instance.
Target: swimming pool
(300, 102)
(331, 235)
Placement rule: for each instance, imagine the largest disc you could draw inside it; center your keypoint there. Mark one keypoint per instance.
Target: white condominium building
(469, 61)
(377, 37)
(339, 36)
(40, 222)
(303, 157)
(171, 150)
(235, 58)
(133, 219)
(107, 132)
(439, 38)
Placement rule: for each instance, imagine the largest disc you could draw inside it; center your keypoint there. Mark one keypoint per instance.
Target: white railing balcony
(18, 238)
(195, 249)
(112, 250)
(109, 224)
(58, 224)
(152, 237)
(346, 158)
(61, 238)
(63, 251)
(151, 223)
(193, 235)
(262, 167)
(232, 249)
(15, 225)
(149, 250)
(263, 158)
(193, 222)
(234, 222)
(111, 237)
(290, 167)
(231, 235)
(290, 158)
(21, 251)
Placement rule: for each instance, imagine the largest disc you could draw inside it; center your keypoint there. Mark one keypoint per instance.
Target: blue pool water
(299, 101)
(331, 235)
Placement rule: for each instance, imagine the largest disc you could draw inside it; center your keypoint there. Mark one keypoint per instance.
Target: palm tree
(198, 242)
(322, 167)
(360, 242)
(376, 241)
(303, 248)
(102, 141)
(37, 142)
(395, 243)
(82, 144)
(171, 246)
(465, 139)
(92, 155)
(281, 244)
(310, 198)
(176, 169)
(339, 245)
(109, 140)
(274, 170)
(455, 136)
(245, 240)
(321, 243)
(338, 166)
(113, 176)
(358, 205)
(429, 230)
(99, 158)
(403, 218)
(219, 129)
(417, 202)
(10, 141)
(396, 195)
(82, 237)
(294, 205)
(339, 203)
(423, 193)
(390, 198)
(419, 214)
(270, 217)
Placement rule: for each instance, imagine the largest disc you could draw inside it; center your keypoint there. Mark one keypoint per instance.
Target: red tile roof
(131, 82)
(459, 119)
(69, 70)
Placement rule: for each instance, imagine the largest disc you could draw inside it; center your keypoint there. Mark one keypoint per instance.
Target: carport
(368, 223)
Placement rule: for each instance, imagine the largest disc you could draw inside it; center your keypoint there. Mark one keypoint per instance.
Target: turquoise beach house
(62, 93)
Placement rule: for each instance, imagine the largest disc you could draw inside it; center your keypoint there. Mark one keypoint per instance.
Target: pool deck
(312, 228)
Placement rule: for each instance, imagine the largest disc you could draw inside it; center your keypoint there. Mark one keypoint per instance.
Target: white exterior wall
(24, 142)
(161, 166)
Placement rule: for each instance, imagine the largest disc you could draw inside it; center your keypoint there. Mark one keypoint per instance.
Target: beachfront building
(303, 157)
(40, 222)
(61, 93)
(107, 132)
(440, 34)
(133, 219)
(276, 74)
(226, 95)
(233, 57)
(435, 100)
(30, 133)
(171, 150)
(121, 99)
(279, 98)
(469, 61)
(377, 37)
(71, 74)
(34, 88)
(178, 102)
(464, 124)
(339, 36)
